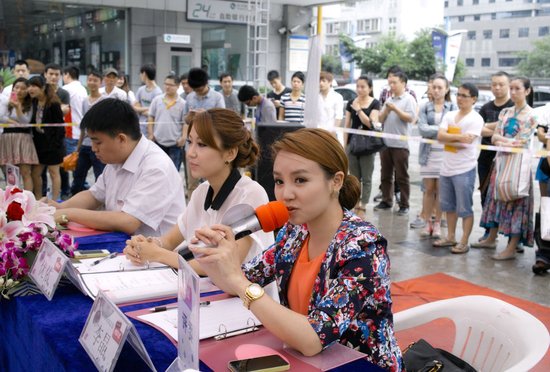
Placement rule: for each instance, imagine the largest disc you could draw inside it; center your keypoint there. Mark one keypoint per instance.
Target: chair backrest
(491, 335)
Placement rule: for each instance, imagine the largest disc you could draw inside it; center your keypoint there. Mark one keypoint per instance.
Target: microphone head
(272, 215)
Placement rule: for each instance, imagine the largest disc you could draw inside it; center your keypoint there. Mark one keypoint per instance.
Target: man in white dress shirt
(139, 191)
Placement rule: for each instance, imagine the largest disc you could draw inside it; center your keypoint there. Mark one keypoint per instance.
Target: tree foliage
(460, 71)
(7, 76)
(537, 62)
(331, 63)
(416, 58)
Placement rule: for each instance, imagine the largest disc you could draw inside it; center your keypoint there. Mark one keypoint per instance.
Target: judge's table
(42, 335)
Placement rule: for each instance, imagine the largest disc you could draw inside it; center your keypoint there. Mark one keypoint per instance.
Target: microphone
(267, 217)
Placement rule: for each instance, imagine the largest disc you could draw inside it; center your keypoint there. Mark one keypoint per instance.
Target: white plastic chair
(491, 335)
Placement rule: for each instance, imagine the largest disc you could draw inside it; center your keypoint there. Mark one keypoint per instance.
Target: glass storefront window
(224, 50)
(86, 36)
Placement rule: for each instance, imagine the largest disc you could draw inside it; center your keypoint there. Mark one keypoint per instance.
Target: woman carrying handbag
(513, 218)
(362, 113)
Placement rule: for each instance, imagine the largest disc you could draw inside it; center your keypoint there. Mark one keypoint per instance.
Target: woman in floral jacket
(331, 267)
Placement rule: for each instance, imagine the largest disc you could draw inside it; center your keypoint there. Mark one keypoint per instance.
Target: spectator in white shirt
(139, 191)
(110, 90)
(20, 69)
(332, 103)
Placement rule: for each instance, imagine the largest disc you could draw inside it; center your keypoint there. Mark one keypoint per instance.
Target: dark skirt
(49, 143)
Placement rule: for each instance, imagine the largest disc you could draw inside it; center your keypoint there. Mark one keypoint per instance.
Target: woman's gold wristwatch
(252, 293)
(64, 219)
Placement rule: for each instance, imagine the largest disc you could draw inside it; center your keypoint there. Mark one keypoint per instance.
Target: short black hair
(172, 77)
(21, 62)
(246, 93)
(300, 75)
(400, 75)
(112, 117)
(197, 78)
(73, 72)
(392, 70)
(51, 66)
(183, 77)
(501, 73)
(471, 88)
(224, 75)
(273, 74)
(96, 74)
(150, 70)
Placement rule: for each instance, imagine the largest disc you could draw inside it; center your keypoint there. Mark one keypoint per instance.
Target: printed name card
(105, 332)
(12, 175)
(188, 319)
(48, 268)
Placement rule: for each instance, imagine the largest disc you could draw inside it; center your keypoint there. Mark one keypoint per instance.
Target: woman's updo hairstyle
(228, 127)
(323, 148)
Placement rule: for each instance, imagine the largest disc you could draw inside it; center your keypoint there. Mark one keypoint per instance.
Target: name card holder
(105, 332)
(48, 268)
(188, 319)
(12, 175)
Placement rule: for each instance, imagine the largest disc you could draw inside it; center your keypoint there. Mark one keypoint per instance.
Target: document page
(217, 318)
(129, 286)
(117, 263)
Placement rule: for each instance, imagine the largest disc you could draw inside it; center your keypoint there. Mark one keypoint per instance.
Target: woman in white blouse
(218, 144)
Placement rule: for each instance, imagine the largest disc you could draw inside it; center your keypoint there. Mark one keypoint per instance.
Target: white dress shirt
(332, 109)
(116, 93)
(78, 94)
(246, 191)
(147, 186)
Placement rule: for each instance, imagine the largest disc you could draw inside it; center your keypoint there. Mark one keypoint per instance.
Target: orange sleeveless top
(302, 279)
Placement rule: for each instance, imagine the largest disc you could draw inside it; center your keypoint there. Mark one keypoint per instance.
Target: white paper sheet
(217, 318)
(118, 263)
(129, 286)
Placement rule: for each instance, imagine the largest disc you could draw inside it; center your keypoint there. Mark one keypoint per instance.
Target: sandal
(441, 243)
(484, 244)
(460, 248)
(501, 257)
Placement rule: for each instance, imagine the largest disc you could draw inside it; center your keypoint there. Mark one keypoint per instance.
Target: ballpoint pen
(112, 255)
(158, 309)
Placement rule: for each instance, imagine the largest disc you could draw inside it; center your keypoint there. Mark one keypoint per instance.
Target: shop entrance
(169, 53)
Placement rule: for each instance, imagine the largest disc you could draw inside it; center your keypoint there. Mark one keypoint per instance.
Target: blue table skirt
(42, 335)
(113, 242)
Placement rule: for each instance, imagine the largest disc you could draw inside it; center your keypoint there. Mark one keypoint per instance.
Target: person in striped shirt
(292, 104)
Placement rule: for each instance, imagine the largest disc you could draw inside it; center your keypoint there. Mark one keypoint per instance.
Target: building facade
(367, 21)
(175, 35)
(495, 31)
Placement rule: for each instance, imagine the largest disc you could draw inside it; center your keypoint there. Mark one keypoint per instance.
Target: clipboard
(241, 322)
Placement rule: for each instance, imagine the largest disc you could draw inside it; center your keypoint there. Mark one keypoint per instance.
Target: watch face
(255, 289)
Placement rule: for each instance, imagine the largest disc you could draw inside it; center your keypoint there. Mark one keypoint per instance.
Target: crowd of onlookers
(447, 169)
(448, 166)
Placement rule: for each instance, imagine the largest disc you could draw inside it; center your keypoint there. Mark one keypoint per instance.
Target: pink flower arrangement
(24, 224)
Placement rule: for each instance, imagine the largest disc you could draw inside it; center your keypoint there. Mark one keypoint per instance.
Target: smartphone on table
(268, 363)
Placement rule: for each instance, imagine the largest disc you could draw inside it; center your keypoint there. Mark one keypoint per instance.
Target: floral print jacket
(351, 301)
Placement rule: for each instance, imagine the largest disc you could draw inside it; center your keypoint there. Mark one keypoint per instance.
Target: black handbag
(420, 356)
(365, 145)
